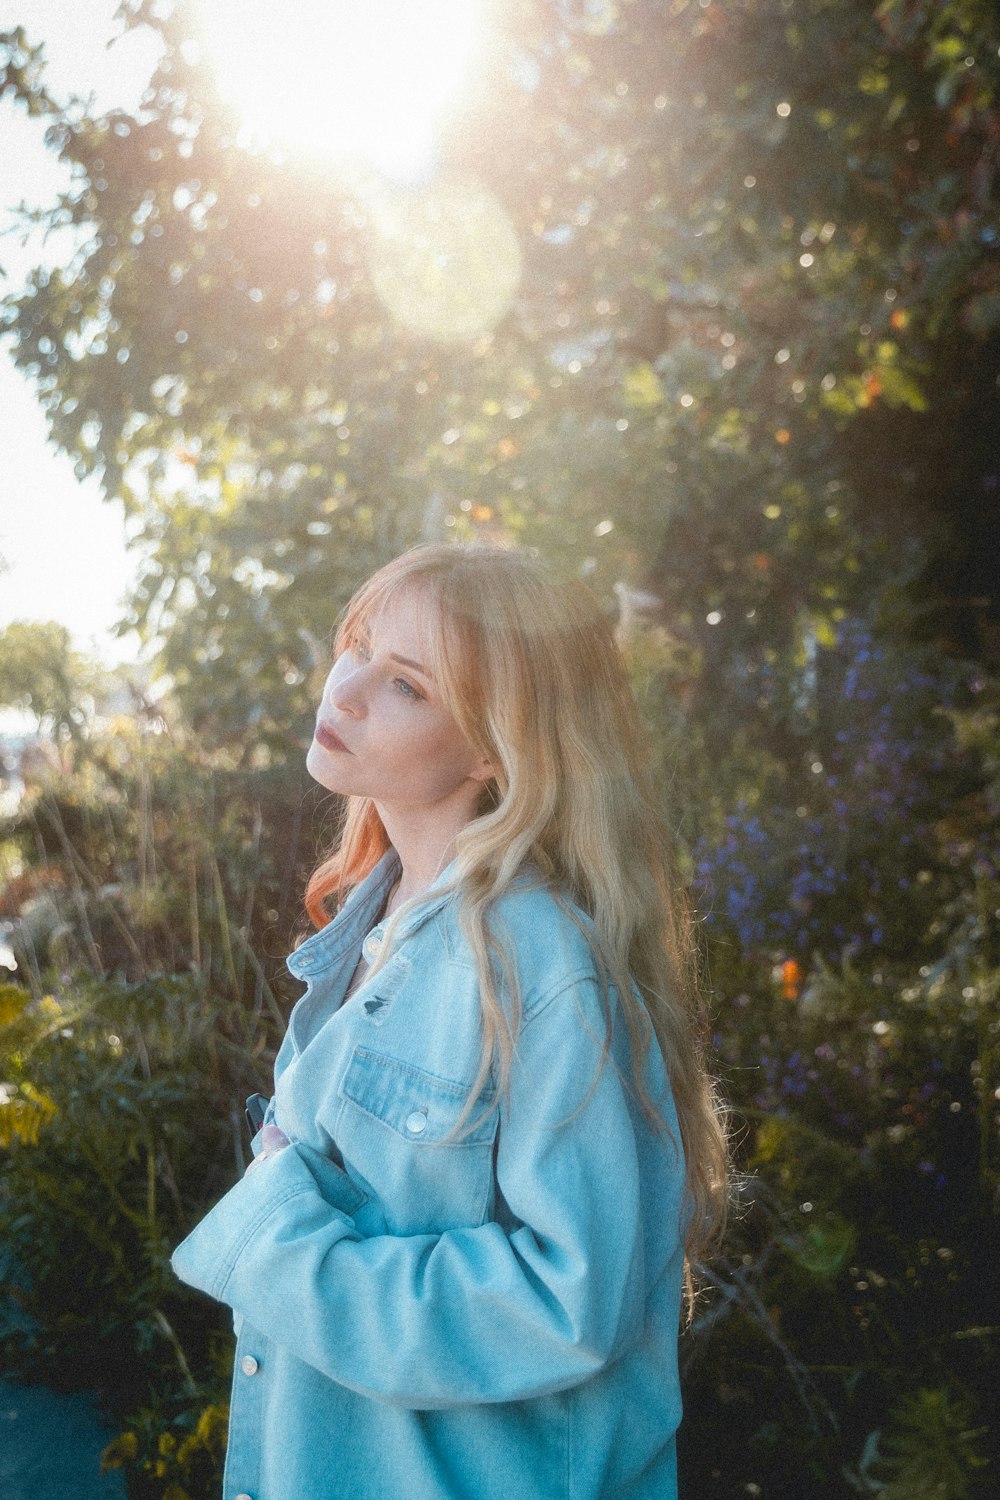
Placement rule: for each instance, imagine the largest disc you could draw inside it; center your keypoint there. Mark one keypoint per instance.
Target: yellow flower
(121, 1450)
(23, 1112)
(12, 1002)
(212, 1428)
(187, 1450)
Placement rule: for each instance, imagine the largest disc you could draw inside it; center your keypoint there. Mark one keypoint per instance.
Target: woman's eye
(407, 689)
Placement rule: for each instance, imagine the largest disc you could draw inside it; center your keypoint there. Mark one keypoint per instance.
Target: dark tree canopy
(741, 230)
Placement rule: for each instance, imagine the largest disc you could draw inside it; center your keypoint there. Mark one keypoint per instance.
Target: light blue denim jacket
(489, 1318)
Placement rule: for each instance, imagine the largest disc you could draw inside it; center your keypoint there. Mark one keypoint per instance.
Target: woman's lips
(330, 741)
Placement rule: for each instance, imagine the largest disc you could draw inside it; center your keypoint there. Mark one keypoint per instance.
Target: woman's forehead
(407, 614)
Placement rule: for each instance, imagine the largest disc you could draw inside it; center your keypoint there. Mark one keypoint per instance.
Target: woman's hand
(271, 1140)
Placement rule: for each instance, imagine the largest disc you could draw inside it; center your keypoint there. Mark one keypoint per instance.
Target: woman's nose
(346, 692)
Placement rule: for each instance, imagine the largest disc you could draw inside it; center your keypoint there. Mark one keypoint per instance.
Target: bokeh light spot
(445, 260)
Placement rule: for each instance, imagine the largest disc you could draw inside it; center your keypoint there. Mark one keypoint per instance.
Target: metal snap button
(417, 1121)
(249, 1365)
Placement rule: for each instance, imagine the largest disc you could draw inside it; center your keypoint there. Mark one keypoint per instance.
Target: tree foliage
(740, 226)
(42, 675)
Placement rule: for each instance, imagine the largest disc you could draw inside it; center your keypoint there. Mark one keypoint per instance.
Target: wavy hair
(530, 671)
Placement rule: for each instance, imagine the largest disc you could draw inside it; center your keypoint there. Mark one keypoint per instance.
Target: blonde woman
(457, 1261)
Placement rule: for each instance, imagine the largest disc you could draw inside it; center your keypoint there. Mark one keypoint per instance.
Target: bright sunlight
(366, 78)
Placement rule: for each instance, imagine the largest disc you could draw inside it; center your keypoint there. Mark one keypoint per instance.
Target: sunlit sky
(376, 79)
(365, 78)
(63, 547)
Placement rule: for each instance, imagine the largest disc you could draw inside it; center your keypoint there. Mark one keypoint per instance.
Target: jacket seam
(564, 983)
(449, 1084)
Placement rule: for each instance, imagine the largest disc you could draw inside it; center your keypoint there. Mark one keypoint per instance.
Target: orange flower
(791, 979)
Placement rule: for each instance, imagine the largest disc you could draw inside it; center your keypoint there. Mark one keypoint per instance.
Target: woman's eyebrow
(406, 661)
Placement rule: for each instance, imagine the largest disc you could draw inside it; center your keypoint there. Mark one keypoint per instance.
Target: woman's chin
(320, 768)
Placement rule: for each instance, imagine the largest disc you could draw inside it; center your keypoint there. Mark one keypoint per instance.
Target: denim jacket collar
(354, 922)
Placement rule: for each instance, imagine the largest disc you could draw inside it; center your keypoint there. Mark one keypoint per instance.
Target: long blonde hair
(529, 669)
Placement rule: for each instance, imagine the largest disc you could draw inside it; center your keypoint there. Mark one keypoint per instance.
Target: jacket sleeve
(477, 1314)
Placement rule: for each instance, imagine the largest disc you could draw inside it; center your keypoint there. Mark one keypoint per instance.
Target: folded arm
(477, 1314)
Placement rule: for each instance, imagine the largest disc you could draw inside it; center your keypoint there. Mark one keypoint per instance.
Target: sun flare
(366, 78)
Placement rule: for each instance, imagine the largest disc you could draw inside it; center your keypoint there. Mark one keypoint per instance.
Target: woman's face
(382, 730)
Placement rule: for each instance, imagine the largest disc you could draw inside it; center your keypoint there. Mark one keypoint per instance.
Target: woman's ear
(484, 770)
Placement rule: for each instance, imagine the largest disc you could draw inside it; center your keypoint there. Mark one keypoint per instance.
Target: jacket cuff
(209, 1255)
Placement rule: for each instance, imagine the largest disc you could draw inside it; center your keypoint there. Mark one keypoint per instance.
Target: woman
(456, 1263)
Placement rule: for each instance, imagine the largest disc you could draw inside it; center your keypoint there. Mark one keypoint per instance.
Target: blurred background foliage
(703, 301)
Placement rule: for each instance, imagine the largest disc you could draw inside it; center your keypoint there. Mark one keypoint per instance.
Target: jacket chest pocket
(403, 1136)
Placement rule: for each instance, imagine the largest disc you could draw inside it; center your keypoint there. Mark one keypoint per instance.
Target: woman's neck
(423, 853)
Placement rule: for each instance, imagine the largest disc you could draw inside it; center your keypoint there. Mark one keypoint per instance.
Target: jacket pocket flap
(417, 1105)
